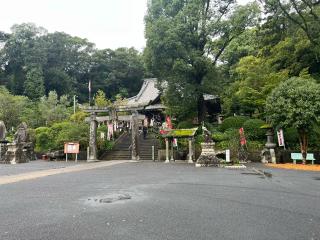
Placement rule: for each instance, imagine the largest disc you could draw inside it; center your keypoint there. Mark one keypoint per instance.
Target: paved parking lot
(160, 201)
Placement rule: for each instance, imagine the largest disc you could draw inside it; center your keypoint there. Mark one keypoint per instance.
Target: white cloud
(107, 23)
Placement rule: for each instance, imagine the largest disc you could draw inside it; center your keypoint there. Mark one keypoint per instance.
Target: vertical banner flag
(243, 140)
(280, 138)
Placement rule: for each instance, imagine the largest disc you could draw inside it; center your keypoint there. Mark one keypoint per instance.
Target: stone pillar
(167, 150)
(135, 137)
(93, 138)
(172, 158)
(190, 151)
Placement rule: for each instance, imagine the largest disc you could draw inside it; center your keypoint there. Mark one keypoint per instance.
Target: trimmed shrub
(233, 122)
(231, 140)
(43, 139)
(255, 145)
(185, 124)
(53, 138)
(252, 129)
(219, 137)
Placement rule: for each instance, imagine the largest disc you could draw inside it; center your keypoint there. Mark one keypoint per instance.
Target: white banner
(280, 138)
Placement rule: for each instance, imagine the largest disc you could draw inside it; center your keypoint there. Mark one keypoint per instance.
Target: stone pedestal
(15, 154)
(208, 156)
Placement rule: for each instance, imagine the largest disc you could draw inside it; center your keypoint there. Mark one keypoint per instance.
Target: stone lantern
(268, 153)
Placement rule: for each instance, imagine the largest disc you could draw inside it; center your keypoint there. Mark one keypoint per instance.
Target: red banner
(169, 123)
(243, 140)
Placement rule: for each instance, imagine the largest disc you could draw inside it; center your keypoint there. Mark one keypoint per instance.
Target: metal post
(66, 157)
(152, 153)
(76, 157)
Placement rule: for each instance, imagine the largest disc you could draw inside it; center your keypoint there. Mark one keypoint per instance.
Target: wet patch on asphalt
(262, 174)
(112, 198)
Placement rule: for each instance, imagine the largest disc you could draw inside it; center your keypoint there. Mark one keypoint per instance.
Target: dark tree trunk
(303, 139)
(201, 109)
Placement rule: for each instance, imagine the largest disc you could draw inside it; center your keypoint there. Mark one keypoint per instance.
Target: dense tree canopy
(185, 40)
(34, 62)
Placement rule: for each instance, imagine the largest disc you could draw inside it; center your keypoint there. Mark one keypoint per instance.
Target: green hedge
(185, 125)
(233, 122)
(253, 131)
(54, 137)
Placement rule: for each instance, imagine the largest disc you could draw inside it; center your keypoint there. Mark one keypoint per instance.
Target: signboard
(280, 138)
(71, 147)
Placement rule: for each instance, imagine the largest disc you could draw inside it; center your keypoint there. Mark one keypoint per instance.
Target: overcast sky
(107, 23)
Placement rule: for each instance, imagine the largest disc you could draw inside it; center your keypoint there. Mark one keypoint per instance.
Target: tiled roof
(147, 94)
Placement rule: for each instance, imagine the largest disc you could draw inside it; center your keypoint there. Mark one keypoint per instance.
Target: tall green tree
(34, 84)
(305, 14)
(100, 99)
(11, 108)
(117, 71)
(23, 49)
(295, 103)
(53, 108)
(185, 40)
(68, 64)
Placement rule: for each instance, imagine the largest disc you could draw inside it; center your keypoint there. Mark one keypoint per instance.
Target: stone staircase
(122, 151)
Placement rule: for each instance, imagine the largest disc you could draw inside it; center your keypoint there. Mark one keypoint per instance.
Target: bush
(185, 124)
(211, 127)
(44, 142)
(230, 140)
(53, 138)
(78, 117)
(255, 146)
(252, 129)
(219, 137)
(233, 122)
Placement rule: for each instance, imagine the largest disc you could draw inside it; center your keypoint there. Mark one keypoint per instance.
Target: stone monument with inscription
(208, 156)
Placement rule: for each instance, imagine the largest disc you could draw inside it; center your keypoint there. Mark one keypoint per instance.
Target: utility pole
(89, 87)
(74, 104)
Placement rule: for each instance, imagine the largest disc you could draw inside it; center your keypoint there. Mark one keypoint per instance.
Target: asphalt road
(157, 201)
